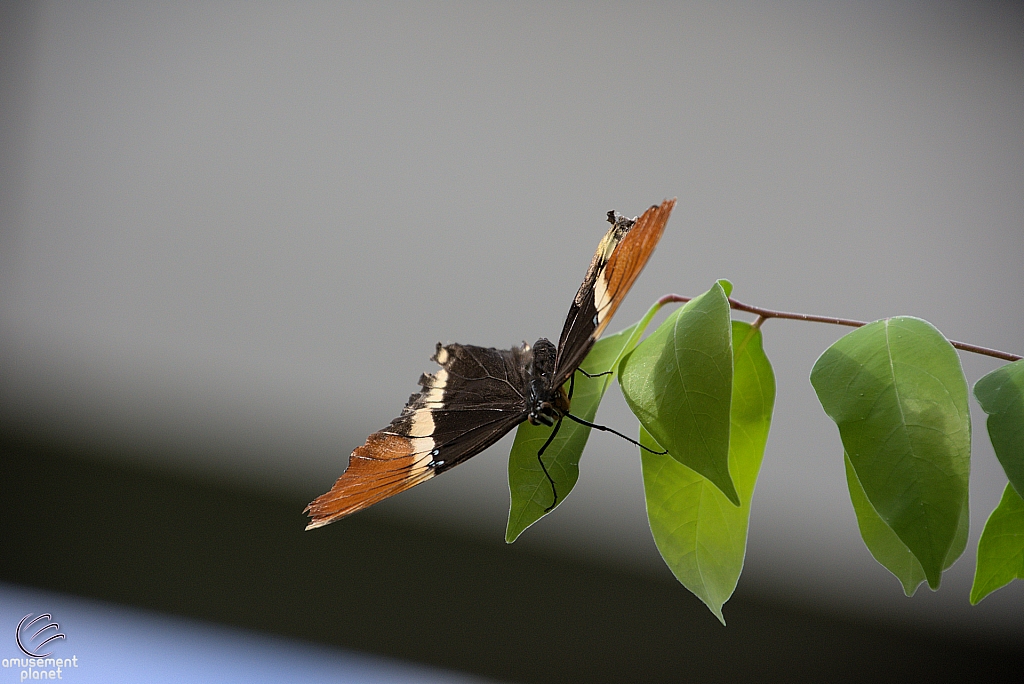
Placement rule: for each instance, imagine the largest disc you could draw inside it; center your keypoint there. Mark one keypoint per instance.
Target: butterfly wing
(473, 401)
(620, 257)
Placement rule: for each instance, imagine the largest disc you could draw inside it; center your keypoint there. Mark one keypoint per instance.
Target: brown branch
(764, 314)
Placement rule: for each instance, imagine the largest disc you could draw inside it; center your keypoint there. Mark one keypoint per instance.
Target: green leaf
(679, 381)
(529, 489)
(1001, 547)
(897, 392)
(700, 534)
(886, 547)
(1001, 395)
(726, 286)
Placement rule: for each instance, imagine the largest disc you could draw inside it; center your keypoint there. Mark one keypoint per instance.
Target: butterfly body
(481, 393)
(548, 402)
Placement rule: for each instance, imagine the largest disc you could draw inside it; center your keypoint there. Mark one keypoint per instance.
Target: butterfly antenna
(614, 432)
(554, 492)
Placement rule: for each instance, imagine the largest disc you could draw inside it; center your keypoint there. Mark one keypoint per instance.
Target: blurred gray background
(233, 233)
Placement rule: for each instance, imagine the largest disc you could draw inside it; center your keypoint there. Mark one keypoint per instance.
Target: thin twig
(764, 314)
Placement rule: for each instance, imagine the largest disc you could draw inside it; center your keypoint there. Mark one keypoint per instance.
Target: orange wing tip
(656, 214)
(318, 523)
(386, 465)
(627, 260)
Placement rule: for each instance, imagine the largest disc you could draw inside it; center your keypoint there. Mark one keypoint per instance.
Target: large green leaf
(887, 548)
(1001, 547)
(530, 491)
(701, 535)
(678, 382)
(1001, 395)
(897, 392)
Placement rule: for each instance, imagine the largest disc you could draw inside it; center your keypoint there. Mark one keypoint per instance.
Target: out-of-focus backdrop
(233, 232)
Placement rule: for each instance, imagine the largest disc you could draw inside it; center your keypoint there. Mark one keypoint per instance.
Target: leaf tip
(729, 489)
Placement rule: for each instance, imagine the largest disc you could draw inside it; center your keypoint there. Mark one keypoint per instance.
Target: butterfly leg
(540, 453)
(595, 375)
(614, 432)
(572, 379)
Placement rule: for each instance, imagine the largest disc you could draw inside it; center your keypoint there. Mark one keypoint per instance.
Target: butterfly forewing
(469, 404)
(620, 257)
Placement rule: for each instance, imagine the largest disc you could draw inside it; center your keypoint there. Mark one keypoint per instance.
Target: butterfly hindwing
(476, 397)
(620, 257)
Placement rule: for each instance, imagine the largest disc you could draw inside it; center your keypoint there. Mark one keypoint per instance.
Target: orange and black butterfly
(481, 393)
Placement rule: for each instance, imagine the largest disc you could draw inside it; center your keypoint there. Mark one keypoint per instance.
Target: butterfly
(481, 393)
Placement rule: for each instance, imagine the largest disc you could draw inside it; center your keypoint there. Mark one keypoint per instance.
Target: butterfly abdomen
(547, 402)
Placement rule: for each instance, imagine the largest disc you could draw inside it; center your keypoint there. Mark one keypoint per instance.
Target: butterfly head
(547, 403)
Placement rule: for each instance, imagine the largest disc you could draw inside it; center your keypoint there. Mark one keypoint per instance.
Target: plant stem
(765, 314)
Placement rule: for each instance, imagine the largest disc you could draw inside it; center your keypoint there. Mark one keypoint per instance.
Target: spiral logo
(31, 643)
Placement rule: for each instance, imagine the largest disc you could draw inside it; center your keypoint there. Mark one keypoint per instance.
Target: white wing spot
(422, 426)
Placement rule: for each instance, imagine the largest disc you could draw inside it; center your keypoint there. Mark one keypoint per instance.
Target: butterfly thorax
(547, 403)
